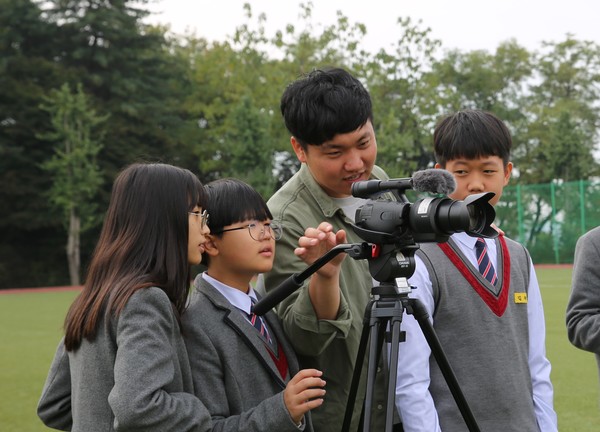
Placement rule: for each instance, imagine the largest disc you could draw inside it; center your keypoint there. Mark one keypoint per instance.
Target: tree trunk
(73, 254)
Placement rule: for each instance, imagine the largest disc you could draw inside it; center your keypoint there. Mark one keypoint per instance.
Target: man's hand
(324, 285)
(316, 242)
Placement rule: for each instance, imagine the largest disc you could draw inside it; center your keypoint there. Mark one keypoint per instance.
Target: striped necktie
(486, 267)
(260, 325)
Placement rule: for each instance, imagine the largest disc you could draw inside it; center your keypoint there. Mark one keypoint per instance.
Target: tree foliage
(73, 170)
(213, 107)
(561, 133)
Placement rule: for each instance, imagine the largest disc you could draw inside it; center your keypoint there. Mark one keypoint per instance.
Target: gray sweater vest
(484, 332)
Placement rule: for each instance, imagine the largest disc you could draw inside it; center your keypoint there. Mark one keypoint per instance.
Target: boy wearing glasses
(244, 369)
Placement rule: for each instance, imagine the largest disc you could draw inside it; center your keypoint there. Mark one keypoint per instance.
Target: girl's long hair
(143, 243)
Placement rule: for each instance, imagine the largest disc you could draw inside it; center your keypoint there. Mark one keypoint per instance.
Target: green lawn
(30, 327)
(574, 372)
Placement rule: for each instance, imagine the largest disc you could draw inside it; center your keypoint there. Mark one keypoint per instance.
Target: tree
(305, 45)
(29, 229)
(128, 71)
(225, 74)
(404, 99)
(76, 177)
(557, 142)
(482, 80)
(563, 114)
(220, 82)
(250, 149)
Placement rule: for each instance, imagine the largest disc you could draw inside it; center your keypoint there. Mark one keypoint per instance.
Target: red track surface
(37, 290)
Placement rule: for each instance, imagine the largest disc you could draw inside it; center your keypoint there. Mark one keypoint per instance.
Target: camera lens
(433, 218)
(476, 217)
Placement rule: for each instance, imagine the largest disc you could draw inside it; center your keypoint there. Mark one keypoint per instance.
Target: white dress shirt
(413, 400)
(237, 298)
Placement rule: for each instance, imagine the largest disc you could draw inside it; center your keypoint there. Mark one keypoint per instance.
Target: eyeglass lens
(259, 230)
(201, 217)
(204, 219)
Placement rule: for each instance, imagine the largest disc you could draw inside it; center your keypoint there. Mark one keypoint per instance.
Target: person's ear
(507, 172)
(438, 166)
(211, 247)
(300, 153)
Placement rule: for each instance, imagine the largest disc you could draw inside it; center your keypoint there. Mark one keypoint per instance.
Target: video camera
(395, 227)
(392, 228)
(431, 219)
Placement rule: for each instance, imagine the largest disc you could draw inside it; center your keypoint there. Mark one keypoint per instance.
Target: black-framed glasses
(201, 217)
(258, 230)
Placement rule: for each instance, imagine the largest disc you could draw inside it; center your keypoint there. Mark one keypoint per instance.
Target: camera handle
(287, 287)
(388, 304)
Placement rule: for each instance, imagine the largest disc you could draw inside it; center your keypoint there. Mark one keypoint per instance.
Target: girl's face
(198, 230)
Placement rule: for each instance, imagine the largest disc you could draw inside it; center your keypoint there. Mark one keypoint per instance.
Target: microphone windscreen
(434, 180)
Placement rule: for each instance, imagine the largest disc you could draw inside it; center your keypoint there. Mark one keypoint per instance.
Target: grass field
(30, 327)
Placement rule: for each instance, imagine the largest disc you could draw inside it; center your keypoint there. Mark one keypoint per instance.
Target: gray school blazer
(134, 376)
(234, 375)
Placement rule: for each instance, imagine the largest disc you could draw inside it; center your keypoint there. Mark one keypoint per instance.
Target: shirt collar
(465, 239)
(236, 297)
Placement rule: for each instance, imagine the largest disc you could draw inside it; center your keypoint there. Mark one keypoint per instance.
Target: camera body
(396, 226)
(426, 220)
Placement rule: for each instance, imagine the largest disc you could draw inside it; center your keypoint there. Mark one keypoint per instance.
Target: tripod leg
(393, 373)
(421, 315)
(362, 348)
(375, 344)
(386, 313)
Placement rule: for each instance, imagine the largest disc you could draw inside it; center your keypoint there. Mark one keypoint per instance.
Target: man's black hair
(324, 103)
(471, 134)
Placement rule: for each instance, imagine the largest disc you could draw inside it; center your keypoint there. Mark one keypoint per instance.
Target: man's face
(338, 163)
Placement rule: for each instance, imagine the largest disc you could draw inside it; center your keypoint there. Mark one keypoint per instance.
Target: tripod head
(391, 261)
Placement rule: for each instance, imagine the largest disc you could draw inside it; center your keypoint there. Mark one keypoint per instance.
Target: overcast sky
(462, 24)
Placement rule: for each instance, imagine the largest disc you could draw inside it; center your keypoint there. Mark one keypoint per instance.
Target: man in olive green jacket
(329, 115)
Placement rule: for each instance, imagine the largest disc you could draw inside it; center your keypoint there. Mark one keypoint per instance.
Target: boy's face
(342, 161)
(241, 254)
(485, 174)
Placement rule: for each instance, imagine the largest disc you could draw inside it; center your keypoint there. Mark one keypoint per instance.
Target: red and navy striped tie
(260, 325)
(486, 268)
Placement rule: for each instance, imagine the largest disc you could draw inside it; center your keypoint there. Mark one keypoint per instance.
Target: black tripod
(392, 265)
(385, 312)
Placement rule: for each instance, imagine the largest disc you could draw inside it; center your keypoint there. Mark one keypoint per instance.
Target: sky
(460, 24)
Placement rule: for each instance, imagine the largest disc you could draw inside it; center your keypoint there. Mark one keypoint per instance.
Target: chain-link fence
(549, 218)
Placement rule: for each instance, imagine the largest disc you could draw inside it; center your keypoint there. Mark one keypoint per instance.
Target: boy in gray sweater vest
(484, 302)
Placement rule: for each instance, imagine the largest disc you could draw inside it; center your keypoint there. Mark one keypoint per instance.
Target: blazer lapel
(234, 318)
(277, 330)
